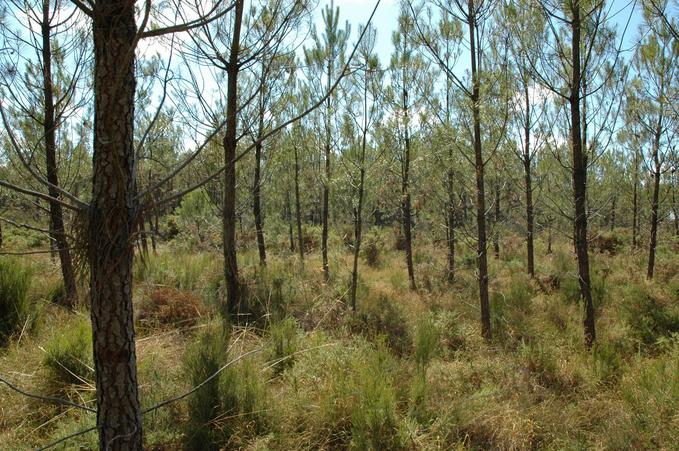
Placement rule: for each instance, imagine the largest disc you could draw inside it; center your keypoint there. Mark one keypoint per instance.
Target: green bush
(68, 357)
(283, 342)
(651, 389)
(374, 421)
(57, 292)
(230, 406)
(15, 307)
(203, 359)
(371, 251)
(648, 317)
(383, 318)
(426, 342)
(607, 361)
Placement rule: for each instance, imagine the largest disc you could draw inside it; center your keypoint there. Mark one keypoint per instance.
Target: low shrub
(648, 317)
(609, 243)
(15, 307)
(374, 421)
(426, 341)
(283, 343)
(372, 248)
(651, 389)
(607, 361)
(229, 407)
(203, 359)
(383, 318)
(68, 356)
(166, 306)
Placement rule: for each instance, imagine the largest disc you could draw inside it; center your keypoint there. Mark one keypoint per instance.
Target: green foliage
(15, 307)
(607, 361)
(426, 341)
(372, 248)
(228, 405)
(203, 359)
(651, 389)
(57, 292)
(648, 317)
(374, 422)
(283, 343)
(542, 363)
(68, 356)
(383, 318)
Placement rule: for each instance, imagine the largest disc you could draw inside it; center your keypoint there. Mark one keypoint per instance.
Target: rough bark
(580, 181)
(59, 243)
(112, 216)
(229, 143)
(482, 257)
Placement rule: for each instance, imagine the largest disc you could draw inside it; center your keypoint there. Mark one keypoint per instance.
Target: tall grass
(15, 307)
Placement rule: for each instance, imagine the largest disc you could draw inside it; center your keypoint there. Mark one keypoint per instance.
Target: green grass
(408, 370)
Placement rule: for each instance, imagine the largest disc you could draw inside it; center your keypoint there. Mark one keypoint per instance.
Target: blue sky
(385, 21)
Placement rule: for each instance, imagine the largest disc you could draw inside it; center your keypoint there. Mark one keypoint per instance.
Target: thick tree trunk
(298, 210)
(580, 183)
(112, 216)
(482, 256)
(58, 241)
(233, 298)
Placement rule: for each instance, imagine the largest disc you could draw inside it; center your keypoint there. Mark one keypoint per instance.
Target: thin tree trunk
(530, 250)
(112, 217)
(655, 202)
(549, 236)
(496, 232)
(153, 230)
(298, 210)
(358, 215)
(288, 217)
(58, 241)
(233, 298)
(256, 191)
(405, 201)
(612, 222)
(580, 182)
(482, 256)
(326, 181)
(635, 201)
(451, 227)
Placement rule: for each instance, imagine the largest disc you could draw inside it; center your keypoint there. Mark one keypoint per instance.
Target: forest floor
(408, 370)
